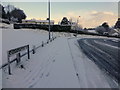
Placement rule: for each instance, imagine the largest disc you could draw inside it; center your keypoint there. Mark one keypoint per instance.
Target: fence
(17, 52)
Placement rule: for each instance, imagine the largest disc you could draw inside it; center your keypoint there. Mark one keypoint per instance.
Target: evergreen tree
(117, 25)
(19, 14)
(2, 12)
(64, 21)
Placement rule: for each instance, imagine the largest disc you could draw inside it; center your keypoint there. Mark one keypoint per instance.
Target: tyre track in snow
(102, 56)
(80, 65)
(74, 63)
(88, 74)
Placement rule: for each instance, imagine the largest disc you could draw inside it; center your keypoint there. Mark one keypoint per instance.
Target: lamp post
(49, 17)
(77, 23)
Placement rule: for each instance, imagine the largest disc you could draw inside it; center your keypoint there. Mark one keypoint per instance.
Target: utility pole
(49, 17)
(77, 24)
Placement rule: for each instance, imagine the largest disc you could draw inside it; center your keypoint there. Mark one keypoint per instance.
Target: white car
(115, 34)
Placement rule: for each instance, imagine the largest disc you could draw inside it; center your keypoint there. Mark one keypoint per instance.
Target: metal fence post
(34, 49)
(42, 44)
(48, 41)
(18, 57)
(9, 69)
(28, 52)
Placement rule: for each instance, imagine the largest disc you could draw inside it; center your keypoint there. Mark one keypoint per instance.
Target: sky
(92, 14)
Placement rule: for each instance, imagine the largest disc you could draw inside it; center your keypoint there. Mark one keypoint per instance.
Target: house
(41, 22)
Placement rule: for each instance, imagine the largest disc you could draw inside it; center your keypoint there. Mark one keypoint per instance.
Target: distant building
(70, 23)
(42, 22)
(73, 25)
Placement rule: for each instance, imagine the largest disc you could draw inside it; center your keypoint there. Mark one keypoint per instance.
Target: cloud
(93, 18)
(97, 18)
(88, 19)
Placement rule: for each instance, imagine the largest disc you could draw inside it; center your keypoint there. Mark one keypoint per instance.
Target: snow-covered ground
(7, 26)
(92, 31)
(16, 38)
(59, 64)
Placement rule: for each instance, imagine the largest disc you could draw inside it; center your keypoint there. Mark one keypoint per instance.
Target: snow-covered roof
(33, 20)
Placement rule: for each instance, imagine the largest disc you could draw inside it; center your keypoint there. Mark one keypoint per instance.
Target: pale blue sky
(38, 10)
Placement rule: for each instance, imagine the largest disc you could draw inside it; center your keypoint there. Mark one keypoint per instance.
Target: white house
(42, 22)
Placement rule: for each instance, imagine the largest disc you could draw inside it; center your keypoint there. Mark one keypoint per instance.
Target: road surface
(104, 52)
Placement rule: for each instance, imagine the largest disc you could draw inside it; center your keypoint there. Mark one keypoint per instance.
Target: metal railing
(17, 51)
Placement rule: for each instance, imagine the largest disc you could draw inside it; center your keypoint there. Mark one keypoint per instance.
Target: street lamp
(77, 23)
(49, 16)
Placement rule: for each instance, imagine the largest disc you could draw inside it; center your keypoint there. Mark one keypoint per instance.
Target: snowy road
(104, 52)
(89, 75)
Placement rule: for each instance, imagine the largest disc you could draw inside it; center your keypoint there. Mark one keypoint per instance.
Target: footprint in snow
(53, 60)
(41, 75)
(47, 74)
(30, 86)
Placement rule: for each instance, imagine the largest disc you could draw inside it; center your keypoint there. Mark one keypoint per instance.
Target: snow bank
(92, 31)
(7, 26)
(12, 38)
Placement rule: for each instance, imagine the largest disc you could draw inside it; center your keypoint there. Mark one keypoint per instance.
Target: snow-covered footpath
(59, 64)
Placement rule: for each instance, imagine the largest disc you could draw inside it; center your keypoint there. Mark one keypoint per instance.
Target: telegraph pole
(77, 24)
(49, 17)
